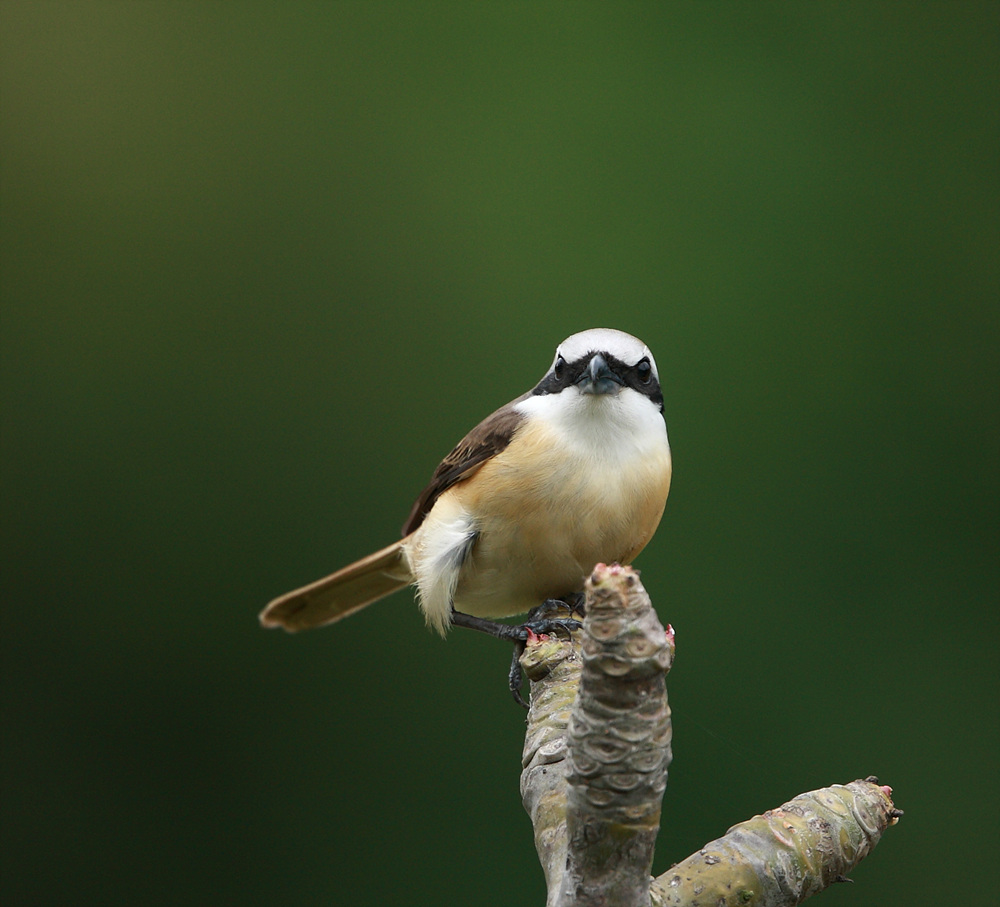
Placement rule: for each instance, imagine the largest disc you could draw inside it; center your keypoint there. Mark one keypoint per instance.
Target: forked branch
(595, 766)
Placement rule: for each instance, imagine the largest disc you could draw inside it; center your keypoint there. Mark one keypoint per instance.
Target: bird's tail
(342, 593)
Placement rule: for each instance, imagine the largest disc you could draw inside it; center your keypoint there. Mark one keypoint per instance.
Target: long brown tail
(342, 593)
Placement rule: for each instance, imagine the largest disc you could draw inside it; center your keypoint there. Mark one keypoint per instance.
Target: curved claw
(538, 623)
(550, 625)
(537, 627)
(514, 677)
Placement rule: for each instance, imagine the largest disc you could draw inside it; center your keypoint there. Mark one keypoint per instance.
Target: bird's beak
(599, 378)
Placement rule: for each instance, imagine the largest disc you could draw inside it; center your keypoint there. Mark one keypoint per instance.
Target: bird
(574, 472)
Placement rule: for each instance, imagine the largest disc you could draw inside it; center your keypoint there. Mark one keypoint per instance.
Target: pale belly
(543, 536)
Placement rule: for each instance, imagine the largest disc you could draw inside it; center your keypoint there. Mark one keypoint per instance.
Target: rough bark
(787, 854)
(595, 766)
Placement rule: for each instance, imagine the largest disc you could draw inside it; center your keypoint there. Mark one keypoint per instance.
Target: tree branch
(786, 855)
(595, 765)
(596, 814)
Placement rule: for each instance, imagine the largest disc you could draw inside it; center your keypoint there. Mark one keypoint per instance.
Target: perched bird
(574, 472)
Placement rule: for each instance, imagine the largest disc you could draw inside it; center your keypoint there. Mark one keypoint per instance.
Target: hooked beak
(599, 378)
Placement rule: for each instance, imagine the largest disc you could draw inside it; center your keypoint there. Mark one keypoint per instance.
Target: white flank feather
(445, 541)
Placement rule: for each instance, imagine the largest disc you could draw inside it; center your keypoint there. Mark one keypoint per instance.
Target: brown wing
(486, 440)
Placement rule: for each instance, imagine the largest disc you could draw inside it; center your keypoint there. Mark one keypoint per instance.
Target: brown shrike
(572, 473)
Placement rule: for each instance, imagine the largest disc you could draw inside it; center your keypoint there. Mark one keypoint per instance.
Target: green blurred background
(263, 264)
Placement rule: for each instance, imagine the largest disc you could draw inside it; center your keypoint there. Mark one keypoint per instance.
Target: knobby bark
(595, 763)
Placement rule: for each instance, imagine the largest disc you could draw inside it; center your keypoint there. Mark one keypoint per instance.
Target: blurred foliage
(263, 264)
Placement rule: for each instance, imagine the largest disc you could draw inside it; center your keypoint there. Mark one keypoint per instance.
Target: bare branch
(601, 809)
(786, 855)
(553, 666)
(594, 771)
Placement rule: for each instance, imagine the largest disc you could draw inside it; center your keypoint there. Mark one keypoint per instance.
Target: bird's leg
(539, 621)
(485, 625)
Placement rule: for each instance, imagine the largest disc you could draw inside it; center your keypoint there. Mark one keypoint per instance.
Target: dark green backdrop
(263, 264)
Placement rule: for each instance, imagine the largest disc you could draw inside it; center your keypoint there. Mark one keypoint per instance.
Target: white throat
(616, 427)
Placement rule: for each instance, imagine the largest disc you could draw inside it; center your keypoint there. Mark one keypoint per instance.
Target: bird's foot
(540, 622)
(514, 680)
(543, 622)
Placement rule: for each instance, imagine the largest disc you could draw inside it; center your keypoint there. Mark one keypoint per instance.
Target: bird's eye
(559, 367)
(644, 370)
